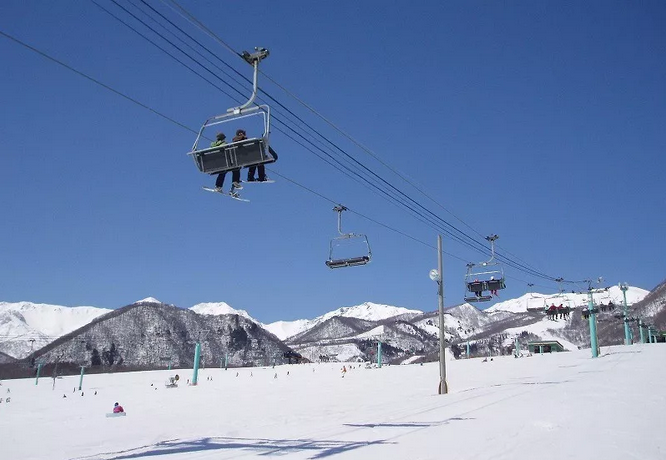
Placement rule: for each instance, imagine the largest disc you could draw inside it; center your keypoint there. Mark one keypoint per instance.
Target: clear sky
(542, 122)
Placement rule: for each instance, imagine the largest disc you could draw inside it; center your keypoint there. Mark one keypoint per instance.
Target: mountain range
(150, 333)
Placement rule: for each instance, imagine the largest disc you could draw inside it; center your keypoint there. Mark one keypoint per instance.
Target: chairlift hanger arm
(339, 208)
(492, 239)
(253, 59)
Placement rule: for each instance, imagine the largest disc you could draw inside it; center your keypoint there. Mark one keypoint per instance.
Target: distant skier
(117, 408)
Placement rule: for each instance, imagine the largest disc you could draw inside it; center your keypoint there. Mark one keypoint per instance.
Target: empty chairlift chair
(334, 260)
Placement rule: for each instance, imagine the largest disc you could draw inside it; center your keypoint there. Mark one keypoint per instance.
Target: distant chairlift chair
(489, 278)
(333, 262)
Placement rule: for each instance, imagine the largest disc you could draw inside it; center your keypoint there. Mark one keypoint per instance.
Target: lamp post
(436, 275)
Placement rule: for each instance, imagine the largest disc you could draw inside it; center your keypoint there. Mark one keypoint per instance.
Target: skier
(235, 174)
(117, 408)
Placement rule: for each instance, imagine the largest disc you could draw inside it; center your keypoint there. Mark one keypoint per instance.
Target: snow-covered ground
(557, 406)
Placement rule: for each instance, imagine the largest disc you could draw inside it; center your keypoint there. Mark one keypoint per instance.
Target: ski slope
(557, 406)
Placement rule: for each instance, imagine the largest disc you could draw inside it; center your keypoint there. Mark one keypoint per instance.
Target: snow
(536, 300)
(564, 405)
(285, 329)
(219, 308)
(148, 300)
(374, 333)
(544, 329)
(368, 311)
(22, 321)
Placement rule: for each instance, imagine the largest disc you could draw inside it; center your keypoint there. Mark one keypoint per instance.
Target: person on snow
(117, 408)
(235, 173)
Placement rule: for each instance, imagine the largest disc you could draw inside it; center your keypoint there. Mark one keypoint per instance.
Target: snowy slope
(285, 329)
(539, 407)
(21, 322)
(537, 300)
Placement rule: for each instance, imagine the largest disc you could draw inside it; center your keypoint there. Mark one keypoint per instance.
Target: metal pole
(226, 360)
(517, 347)
(627, 338)
(468, 349)
(640, 328)
(197, 354)
(443, 386)
(81, 378)
(379, 353)
(593, 324)
(39, 370)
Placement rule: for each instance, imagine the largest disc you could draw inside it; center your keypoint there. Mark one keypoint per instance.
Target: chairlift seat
(352, 262)
(227, 157)
(495, 285)
(483, 298)
(477, 286)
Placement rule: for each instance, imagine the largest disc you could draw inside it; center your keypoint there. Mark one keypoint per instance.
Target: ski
(234, 196)
(269, 181)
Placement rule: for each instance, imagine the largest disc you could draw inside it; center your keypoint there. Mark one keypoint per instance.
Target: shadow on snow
(407, 424)
(319, 449)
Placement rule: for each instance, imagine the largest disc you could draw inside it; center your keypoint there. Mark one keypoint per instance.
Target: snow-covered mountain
(536, 301)
(152, 334)
(26, 325)
(345, 333)
(219, 308)
(367, 311)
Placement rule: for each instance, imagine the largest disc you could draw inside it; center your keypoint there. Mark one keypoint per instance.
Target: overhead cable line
(400, 198)
(177, 123)
(507, 260)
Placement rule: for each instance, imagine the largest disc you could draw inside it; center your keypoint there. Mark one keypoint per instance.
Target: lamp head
(434, 275)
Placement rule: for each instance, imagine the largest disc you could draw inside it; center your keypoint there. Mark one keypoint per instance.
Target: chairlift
(248, 152)
(345, 239)
(489, 277)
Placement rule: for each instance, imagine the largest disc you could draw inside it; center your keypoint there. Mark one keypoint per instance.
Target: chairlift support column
(593, 323)
(627, 333)
(379, 353)
(81, 378)
(39, 371)
(197, 355)
(640, 329)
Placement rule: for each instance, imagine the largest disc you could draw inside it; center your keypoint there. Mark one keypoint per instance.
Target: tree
(95, 360)
(110, 355)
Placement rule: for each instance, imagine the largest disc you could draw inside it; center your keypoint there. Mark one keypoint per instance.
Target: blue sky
(541, 122)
